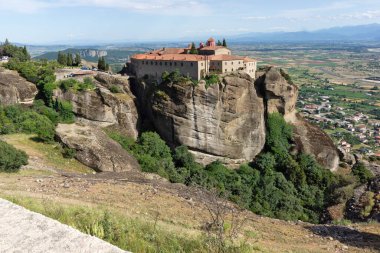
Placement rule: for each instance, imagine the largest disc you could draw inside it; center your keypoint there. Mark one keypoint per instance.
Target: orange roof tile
(212, 48)
(169, 57)
(170, 50)
(225, 57)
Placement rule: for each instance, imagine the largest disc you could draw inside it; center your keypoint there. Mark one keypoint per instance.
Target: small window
(225, 70)
(232, 69)
(171, 64)
(160, 63)
(181, 64)
(156, 63)
(166, 63)
(225, 63)
(191, 64)
(232, 63)
(202, 64)
(142, 62)
(175, 64)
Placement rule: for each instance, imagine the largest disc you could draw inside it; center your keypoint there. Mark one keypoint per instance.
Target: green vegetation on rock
(278, 184)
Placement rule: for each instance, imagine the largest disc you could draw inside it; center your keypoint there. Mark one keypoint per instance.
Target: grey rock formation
(24, 231)
(14, 89)
(312, 140)
(95, 149)
(225, 121)
(281, 96)
(104, 107)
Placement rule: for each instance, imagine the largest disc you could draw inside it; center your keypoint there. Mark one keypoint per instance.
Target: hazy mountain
(369, 32)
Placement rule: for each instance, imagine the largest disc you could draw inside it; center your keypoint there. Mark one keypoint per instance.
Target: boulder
(95, 149)
(104, 107)
(312, 140)
(224, 122)
(280, 95)
(14, 89)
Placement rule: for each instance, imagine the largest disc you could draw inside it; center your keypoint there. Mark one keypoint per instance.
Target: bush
(11, 159)
(115, 89)
(68, 152)
(363, 174)
(211, 79)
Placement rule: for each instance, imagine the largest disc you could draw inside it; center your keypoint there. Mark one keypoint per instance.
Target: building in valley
(209, 59)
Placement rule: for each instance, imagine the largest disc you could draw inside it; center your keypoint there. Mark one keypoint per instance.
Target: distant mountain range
(369, 32)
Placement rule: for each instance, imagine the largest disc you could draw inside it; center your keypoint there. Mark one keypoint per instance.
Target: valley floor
(174, 208)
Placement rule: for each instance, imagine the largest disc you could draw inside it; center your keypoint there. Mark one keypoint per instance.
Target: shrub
(211, 79)
(11, 159)
(68, 152)
(115, 89)
(363, 174)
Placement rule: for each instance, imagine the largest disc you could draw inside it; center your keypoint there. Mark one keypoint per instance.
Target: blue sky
(47, 21)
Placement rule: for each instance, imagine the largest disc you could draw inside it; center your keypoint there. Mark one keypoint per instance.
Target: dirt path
(24, 231)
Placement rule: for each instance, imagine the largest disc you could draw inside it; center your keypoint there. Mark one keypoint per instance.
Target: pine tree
(102, 64)
(69, 59)
(6, 42)
(224, 43)
(193, 49)
(77, 59)
(62, 59)
(219, 43)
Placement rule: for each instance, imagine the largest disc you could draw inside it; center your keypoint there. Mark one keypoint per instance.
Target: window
(175, 64)
(181, 64)
(202, 64)
(225, 70)
(156, 63)
(160, 63)
(166, 63)
(151, 63)
(191, 64)
(142, 62)
(171, 64)
(225, 63)
(232, 63)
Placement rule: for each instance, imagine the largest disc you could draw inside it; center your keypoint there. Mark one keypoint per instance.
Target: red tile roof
(170, 57)
(212, 48)
(225, 57)
(169, 50)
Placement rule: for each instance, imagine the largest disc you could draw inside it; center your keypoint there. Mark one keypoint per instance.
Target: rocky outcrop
(104, 107)
(281, 96)
(14, 89)
(224, 122)
(312, 140)
(95, 149)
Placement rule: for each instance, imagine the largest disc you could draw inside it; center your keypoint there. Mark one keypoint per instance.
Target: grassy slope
(150, 215)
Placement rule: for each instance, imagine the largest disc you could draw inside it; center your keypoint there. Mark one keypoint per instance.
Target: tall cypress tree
(77, 59)
(224, 43)
(70, 59)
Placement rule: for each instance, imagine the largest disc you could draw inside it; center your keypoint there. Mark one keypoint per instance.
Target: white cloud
(178, 7)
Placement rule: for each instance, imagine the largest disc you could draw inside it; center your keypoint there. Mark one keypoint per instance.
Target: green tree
(224, 43)
(193, 49)
(219, 43)
(11, 159)
(70, 61)
(77, 60)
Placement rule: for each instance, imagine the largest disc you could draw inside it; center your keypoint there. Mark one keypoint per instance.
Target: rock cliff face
(14, 89)
(95, 149)
(281, 96)
(225, 121)
(105, 107)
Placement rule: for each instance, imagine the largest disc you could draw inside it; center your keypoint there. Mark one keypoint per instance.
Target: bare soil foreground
(24, 231)
(172, 208)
